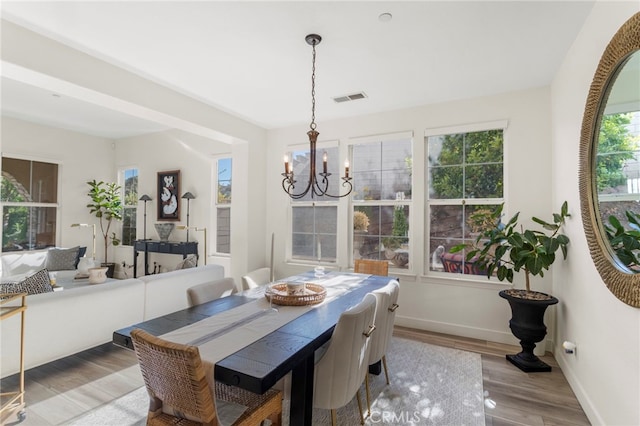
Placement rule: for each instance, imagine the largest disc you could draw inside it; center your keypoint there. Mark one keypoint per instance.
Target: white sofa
(15, 266)
(167, 292)
(62, 323)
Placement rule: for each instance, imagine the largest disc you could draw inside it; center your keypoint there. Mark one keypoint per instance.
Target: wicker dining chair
(373, 267)
(180, 393)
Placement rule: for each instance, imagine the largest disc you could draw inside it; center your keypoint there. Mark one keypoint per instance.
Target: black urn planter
(527, 324)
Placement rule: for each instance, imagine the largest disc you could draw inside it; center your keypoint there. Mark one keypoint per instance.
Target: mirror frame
(616, 276)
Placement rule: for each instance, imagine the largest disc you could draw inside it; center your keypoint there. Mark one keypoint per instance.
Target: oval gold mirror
(610, 165)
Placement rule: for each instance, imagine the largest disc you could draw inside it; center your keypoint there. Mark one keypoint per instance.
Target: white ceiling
(250, 58)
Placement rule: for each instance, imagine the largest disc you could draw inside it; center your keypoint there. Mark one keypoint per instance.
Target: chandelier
(318, 184)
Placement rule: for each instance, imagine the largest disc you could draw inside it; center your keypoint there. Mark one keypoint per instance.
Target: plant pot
(358, 241)
(111, 267)
(527, 324)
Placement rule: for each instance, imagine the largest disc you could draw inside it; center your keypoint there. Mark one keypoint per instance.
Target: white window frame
(121, 181)
(428, 202)
(32, 204)
(408, 202)
(213, 238)
(333, 189)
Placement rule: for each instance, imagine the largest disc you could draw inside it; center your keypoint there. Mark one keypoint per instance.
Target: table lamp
(195, 228)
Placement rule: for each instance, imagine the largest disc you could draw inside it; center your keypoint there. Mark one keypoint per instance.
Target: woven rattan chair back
(176, 381)
(373, 267)
(174, 376)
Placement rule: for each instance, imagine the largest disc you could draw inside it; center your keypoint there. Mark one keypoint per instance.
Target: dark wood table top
(259, 365)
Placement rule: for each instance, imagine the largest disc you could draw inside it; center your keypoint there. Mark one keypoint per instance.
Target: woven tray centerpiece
(312, 295)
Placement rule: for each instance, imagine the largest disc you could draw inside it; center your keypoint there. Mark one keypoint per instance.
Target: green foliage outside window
(615, 146)
(399, 230)
(468, 165)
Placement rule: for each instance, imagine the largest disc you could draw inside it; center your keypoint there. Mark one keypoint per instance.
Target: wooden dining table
(259, 363)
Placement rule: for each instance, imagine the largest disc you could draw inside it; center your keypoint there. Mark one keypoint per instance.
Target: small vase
(97, 275)
(84, 264)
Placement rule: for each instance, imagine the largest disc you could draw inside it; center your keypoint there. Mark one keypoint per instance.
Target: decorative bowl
(97, 275)
(164, 230)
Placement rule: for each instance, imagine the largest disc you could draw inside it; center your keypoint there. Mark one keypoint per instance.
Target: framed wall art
(169, 195)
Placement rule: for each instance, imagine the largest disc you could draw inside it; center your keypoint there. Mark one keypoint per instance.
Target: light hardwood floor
(520, 398)
(62, 390)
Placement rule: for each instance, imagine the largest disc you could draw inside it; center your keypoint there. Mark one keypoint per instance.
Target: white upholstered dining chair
(213, 290)
(387, 303)
(342, 369)
(256, 278)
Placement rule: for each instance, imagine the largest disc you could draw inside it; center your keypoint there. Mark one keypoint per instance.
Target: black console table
(156, 246)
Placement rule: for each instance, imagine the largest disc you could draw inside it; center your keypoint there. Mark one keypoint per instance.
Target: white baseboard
(583, 397)
(471, 332)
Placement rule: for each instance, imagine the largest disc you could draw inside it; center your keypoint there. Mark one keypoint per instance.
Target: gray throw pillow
(36, 283)
(62, 259)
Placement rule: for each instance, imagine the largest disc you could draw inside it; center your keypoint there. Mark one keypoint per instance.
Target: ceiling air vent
(353, 97)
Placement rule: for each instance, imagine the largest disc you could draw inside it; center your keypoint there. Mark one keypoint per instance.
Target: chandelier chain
(313, 89)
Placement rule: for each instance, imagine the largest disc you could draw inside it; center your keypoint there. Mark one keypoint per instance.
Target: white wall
(84, 157)
(164, 151)
(31, 56)
(446, 305)
(81, 158)
(605, 371)
(194, 157)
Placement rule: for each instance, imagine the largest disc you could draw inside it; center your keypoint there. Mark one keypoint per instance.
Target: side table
(156, 246)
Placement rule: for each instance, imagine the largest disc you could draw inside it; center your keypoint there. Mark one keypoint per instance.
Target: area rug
(430, 385)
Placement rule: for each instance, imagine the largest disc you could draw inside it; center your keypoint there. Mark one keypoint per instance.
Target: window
(130, 205)
(314, 219)
(465, 174)
(382, 169)
(618, 165)
(29, 196)
(223, 206)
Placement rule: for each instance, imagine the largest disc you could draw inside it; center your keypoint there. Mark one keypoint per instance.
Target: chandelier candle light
(318, 186)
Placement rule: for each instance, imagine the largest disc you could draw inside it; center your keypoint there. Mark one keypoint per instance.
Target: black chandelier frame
(318, 183)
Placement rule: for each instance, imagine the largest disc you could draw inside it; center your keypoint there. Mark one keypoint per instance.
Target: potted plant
(106, 205)
(360, 227)
(502, 249)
